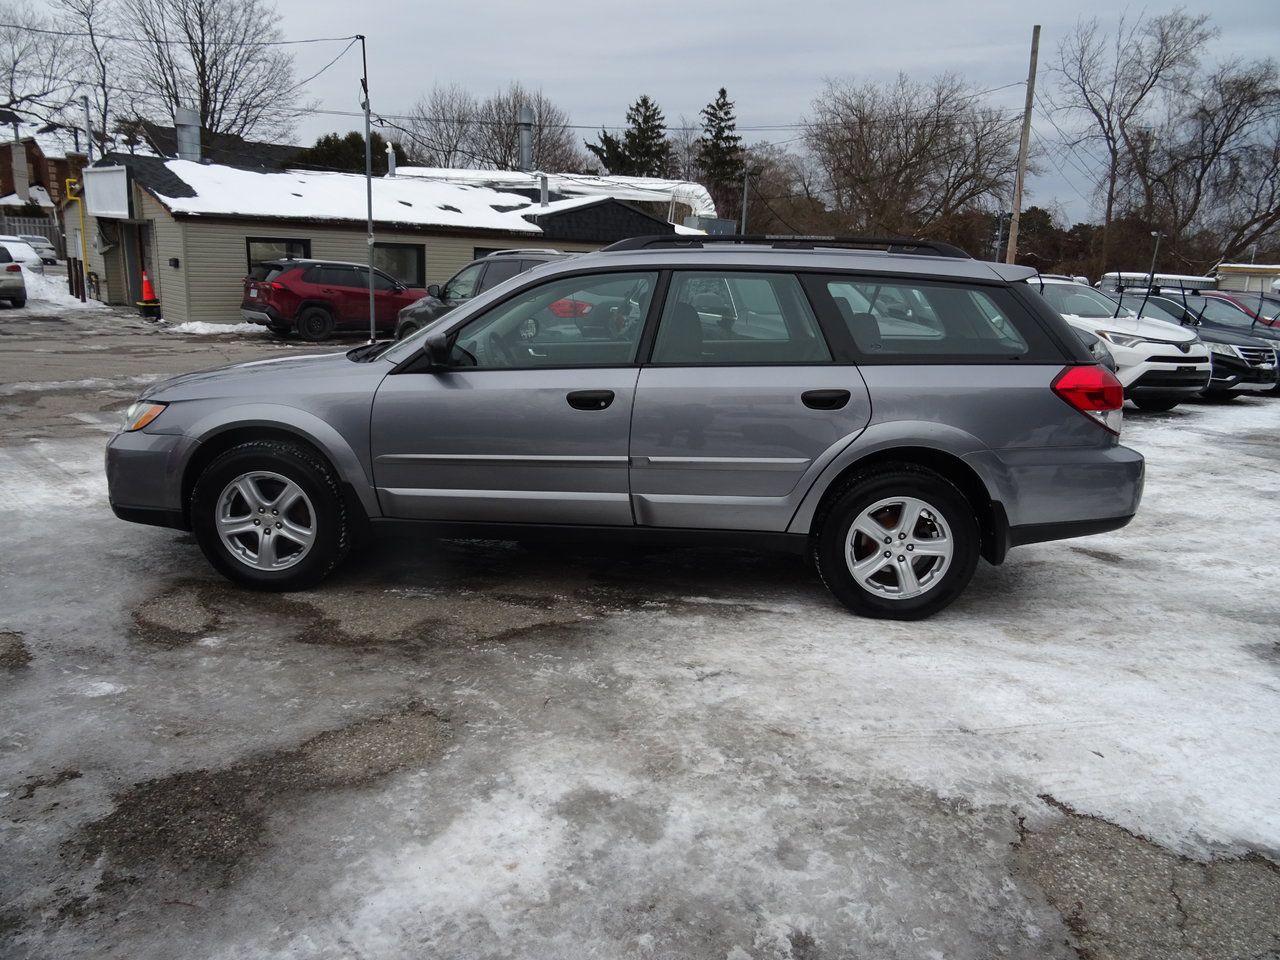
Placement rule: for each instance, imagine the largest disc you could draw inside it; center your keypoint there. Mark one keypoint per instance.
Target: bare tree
(1111, 81)
(908, 156)
(685, 137)
(497, 134)
(96, 56)
(442, 132)
(35, 68)
(215, 56)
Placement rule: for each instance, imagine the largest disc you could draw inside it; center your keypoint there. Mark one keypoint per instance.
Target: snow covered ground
(475, 750)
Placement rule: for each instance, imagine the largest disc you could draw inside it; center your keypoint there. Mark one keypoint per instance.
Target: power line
(160, 40)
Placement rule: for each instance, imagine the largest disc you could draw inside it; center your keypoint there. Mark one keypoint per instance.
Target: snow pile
(203, 328)
(54, 290)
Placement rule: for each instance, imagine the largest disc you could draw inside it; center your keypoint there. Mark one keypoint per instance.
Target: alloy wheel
(899, 548)
(265, 520)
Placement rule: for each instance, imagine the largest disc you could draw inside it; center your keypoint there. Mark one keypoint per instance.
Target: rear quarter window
(901, 320)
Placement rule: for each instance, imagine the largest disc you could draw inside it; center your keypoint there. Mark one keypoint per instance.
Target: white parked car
(23, 253)
(1160, 364)
(43, 246)
(13, 285)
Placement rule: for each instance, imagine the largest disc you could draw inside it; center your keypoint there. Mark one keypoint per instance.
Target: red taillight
(1094, 391)
(567, 309)
(13, 268)
(276, 285)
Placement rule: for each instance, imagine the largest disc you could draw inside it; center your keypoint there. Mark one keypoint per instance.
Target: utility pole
(1011, 252)
(368, 179)
(88, 127)
(746, 180)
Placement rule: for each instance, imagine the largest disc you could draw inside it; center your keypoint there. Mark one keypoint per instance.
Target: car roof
(756, 256)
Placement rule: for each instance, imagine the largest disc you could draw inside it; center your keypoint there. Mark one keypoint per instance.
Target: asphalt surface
(477, 749)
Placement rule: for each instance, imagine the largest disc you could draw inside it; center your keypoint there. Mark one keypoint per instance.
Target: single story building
(197, 227)
(1264, 277)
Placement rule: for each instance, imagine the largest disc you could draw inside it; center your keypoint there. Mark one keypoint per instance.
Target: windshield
(1151, 310)
(1075, 300)
(1219, 311)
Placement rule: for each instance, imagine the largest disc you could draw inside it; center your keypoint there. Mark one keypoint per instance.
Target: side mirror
(435, 291)
(437, 346)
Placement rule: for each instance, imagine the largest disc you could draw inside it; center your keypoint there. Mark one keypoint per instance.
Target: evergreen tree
(720, 150)
(643, 149)
(334, 152)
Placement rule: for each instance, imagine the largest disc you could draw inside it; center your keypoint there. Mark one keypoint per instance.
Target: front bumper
(1159, 369)
(144, 476)
(1237, 375)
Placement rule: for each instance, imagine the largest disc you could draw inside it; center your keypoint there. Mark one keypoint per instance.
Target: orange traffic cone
(149, 305)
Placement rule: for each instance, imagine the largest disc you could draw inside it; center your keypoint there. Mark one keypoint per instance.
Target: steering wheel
(498, 347)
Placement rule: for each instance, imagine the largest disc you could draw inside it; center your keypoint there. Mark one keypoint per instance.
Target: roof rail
(797, 242)
(517, 251)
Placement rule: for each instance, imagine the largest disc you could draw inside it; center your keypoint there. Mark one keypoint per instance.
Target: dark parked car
(1242, 362)
(471, 281)
(719, 390)
(1263, 307)
(317, 298)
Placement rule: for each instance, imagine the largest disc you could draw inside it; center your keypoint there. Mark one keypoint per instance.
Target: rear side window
(500, 270)
(894, 320)
(713, 318)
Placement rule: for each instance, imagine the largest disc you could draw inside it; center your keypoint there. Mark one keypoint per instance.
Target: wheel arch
(993, 522)
(332, 450)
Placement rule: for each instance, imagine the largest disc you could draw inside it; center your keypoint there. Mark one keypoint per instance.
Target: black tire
(405, 329)
(1219, 396)
(19, 302)
(1156, 404)
(867, 488)
(315, 324)
(305, 468)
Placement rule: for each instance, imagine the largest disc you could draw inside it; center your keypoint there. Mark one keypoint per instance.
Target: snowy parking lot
(474, 749)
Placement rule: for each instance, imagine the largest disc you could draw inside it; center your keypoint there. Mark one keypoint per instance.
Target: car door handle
(590, 399)
(825, 399)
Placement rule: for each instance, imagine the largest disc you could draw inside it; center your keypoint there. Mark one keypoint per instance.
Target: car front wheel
(268, 514)
(899, 542)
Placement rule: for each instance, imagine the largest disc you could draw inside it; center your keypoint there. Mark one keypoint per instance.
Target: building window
(479, 253)
(407, 262)
(258, 249)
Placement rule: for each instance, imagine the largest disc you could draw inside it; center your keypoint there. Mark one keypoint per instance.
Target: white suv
(1159, 363)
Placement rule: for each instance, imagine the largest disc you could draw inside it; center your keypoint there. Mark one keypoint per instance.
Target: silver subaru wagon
(892, 409)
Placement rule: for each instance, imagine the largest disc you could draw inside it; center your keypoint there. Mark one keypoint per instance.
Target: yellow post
(72, 186)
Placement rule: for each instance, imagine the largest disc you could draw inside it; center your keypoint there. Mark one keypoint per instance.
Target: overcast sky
(595, 58)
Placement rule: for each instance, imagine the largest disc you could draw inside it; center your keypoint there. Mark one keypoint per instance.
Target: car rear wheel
(900, 542)
(1156, 404)
(19, 302)
(315, 324)
(268, 514)
(406, 329)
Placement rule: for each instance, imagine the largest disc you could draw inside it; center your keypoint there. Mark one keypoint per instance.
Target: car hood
(257, 378)
(1138, 326)
(1217, 335)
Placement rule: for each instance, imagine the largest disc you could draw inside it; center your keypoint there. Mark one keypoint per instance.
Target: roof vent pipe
(391, 159)
(526, 138)
(186, 126)
(544, 192)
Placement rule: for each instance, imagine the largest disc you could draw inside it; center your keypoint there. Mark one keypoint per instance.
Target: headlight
(1121, 339)
(1223, 348)
(140, 414)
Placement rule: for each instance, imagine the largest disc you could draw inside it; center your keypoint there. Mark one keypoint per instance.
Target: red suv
(319, 297)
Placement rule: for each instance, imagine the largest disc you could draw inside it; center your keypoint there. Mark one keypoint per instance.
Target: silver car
(893, 410)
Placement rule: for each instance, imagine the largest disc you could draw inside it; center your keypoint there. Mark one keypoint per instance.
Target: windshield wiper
(367, 351)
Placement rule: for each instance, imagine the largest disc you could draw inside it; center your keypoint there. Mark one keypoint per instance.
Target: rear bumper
(1086, 489)
(254, 312)
(144, 476)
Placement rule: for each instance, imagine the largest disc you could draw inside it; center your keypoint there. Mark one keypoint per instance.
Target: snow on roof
(1159, 277)
(303, 194)
(654, 189)
(1251, 267)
